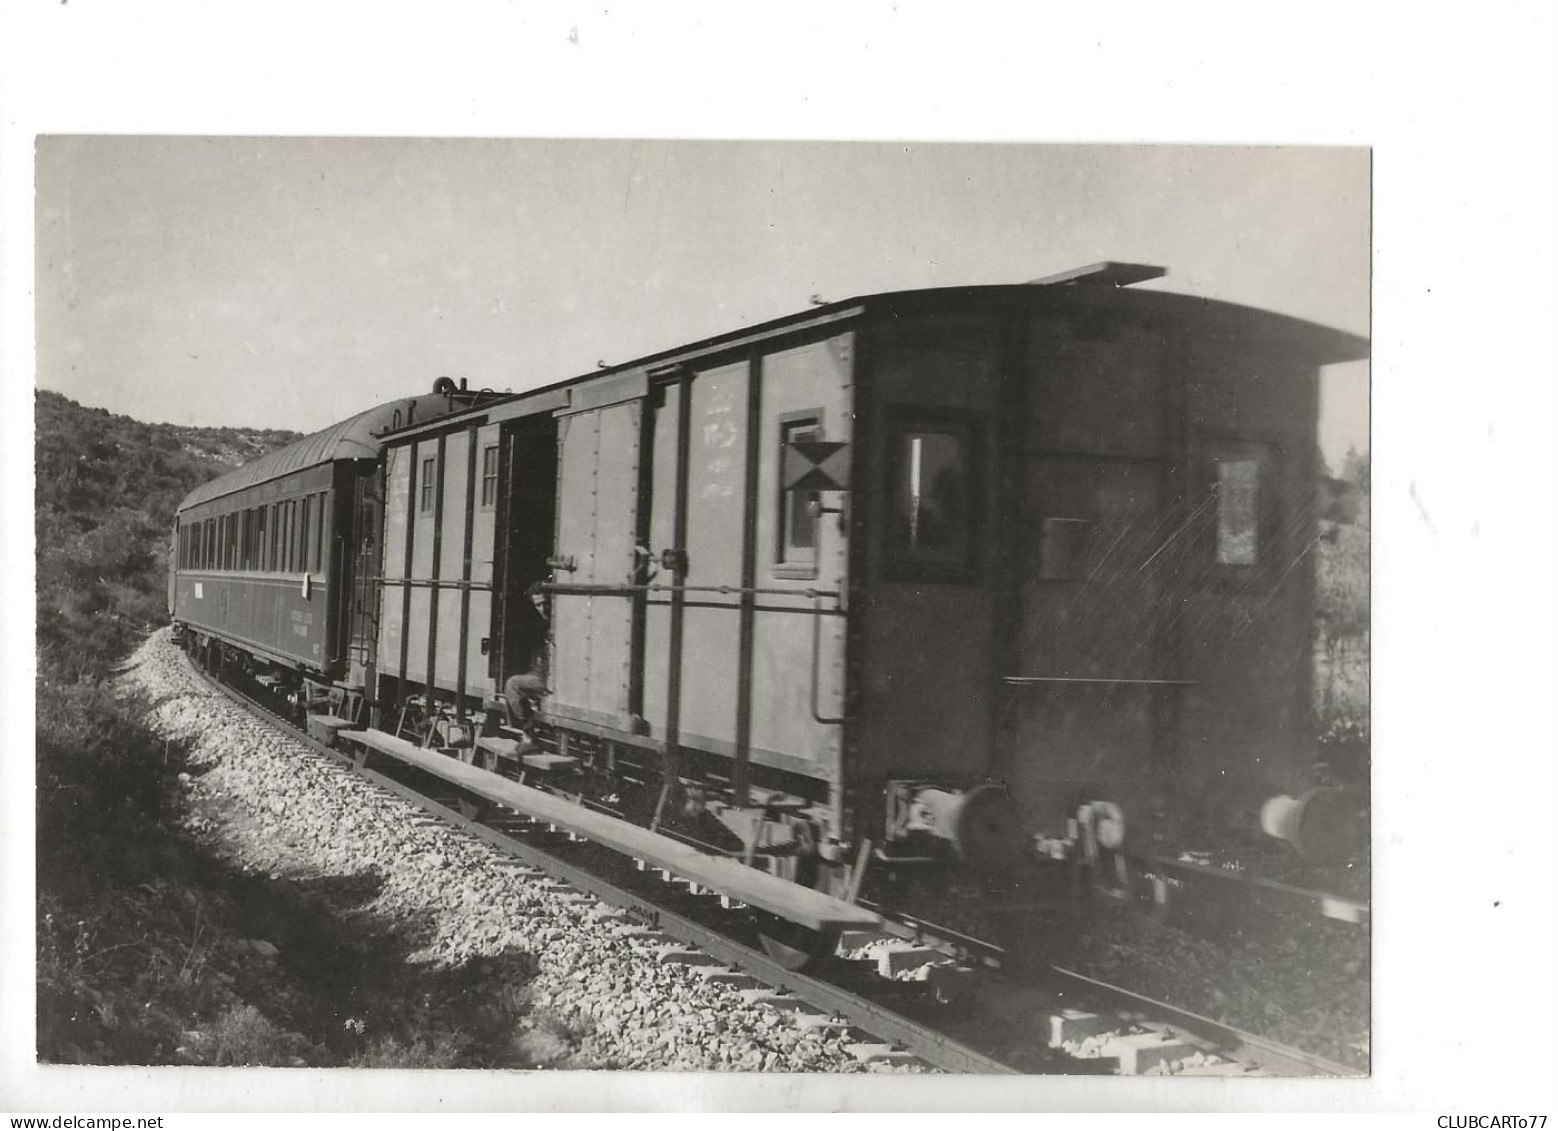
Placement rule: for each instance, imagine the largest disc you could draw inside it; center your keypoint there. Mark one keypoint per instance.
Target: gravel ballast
(600, 997)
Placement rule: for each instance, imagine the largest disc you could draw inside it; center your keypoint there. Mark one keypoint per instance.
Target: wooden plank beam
(796, 904)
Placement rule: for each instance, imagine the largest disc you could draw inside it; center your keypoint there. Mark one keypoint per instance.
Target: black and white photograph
(573, 608)
(950, 671)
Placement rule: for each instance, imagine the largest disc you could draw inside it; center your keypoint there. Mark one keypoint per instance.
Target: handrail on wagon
(816, 672)
(1040, 680)
(816, 596)
(433, 583)
(627, 590)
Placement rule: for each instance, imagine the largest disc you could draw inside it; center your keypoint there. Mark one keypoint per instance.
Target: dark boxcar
(1086, 533)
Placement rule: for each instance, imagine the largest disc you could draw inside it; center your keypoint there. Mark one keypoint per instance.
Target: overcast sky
(289, 282)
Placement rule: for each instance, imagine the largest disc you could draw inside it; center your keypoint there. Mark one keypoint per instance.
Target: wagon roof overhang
(1325, 344)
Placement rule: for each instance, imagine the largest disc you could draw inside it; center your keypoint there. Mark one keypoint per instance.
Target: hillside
(106, 489)
(109, 863)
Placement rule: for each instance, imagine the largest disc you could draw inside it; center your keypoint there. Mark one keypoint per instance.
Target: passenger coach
(271, 560)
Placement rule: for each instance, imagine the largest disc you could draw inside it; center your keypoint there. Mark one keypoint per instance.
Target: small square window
(489, 475)
(932, 496)
(428, 484)
(1238, 512)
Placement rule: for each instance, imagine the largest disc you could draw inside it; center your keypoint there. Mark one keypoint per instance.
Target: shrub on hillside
(103, 781)
(107, 488)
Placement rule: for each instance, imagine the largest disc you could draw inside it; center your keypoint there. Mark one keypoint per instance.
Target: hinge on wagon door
(565, 564)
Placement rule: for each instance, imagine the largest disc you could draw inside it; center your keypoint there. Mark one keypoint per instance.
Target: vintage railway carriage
(271, 561)
(924, 568)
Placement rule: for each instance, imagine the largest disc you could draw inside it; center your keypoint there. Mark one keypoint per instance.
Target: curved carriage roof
(353, 438)
(1324, 345)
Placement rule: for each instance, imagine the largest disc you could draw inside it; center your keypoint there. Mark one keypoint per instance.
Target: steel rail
(1271, 1056)
(1238, 1044)
(931, 1046)
(1339, 908)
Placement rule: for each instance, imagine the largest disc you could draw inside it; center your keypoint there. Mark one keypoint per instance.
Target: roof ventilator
(1105, 274)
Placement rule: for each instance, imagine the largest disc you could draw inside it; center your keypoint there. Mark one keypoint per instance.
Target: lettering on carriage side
(301, 621)
(721, 401)
(720, 434)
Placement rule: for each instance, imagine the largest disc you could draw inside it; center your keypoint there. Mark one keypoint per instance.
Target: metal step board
(796, 904)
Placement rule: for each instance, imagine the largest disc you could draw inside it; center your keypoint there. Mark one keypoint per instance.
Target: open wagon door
(523, 551)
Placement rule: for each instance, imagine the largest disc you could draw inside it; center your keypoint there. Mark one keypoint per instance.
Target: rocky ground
(388, 938)
(349, 928)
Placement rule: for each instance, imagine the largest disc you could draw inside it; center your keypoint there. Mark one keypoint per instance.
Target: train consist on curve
(913, 577)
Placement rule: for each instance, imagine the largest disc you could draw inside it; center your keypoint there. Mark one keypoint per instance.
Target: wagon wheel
(987, 830)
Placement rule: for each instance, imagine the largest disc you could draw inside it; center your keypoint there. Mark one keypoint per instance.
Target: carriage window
(489, 475)
(932, 501)
(308, 531)
(319, 534)
(1238, 512)
(427, 485)
(797, 542)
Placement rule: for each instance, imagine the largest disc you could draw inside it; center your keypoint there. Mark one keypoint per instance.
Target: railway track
(909, 993)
